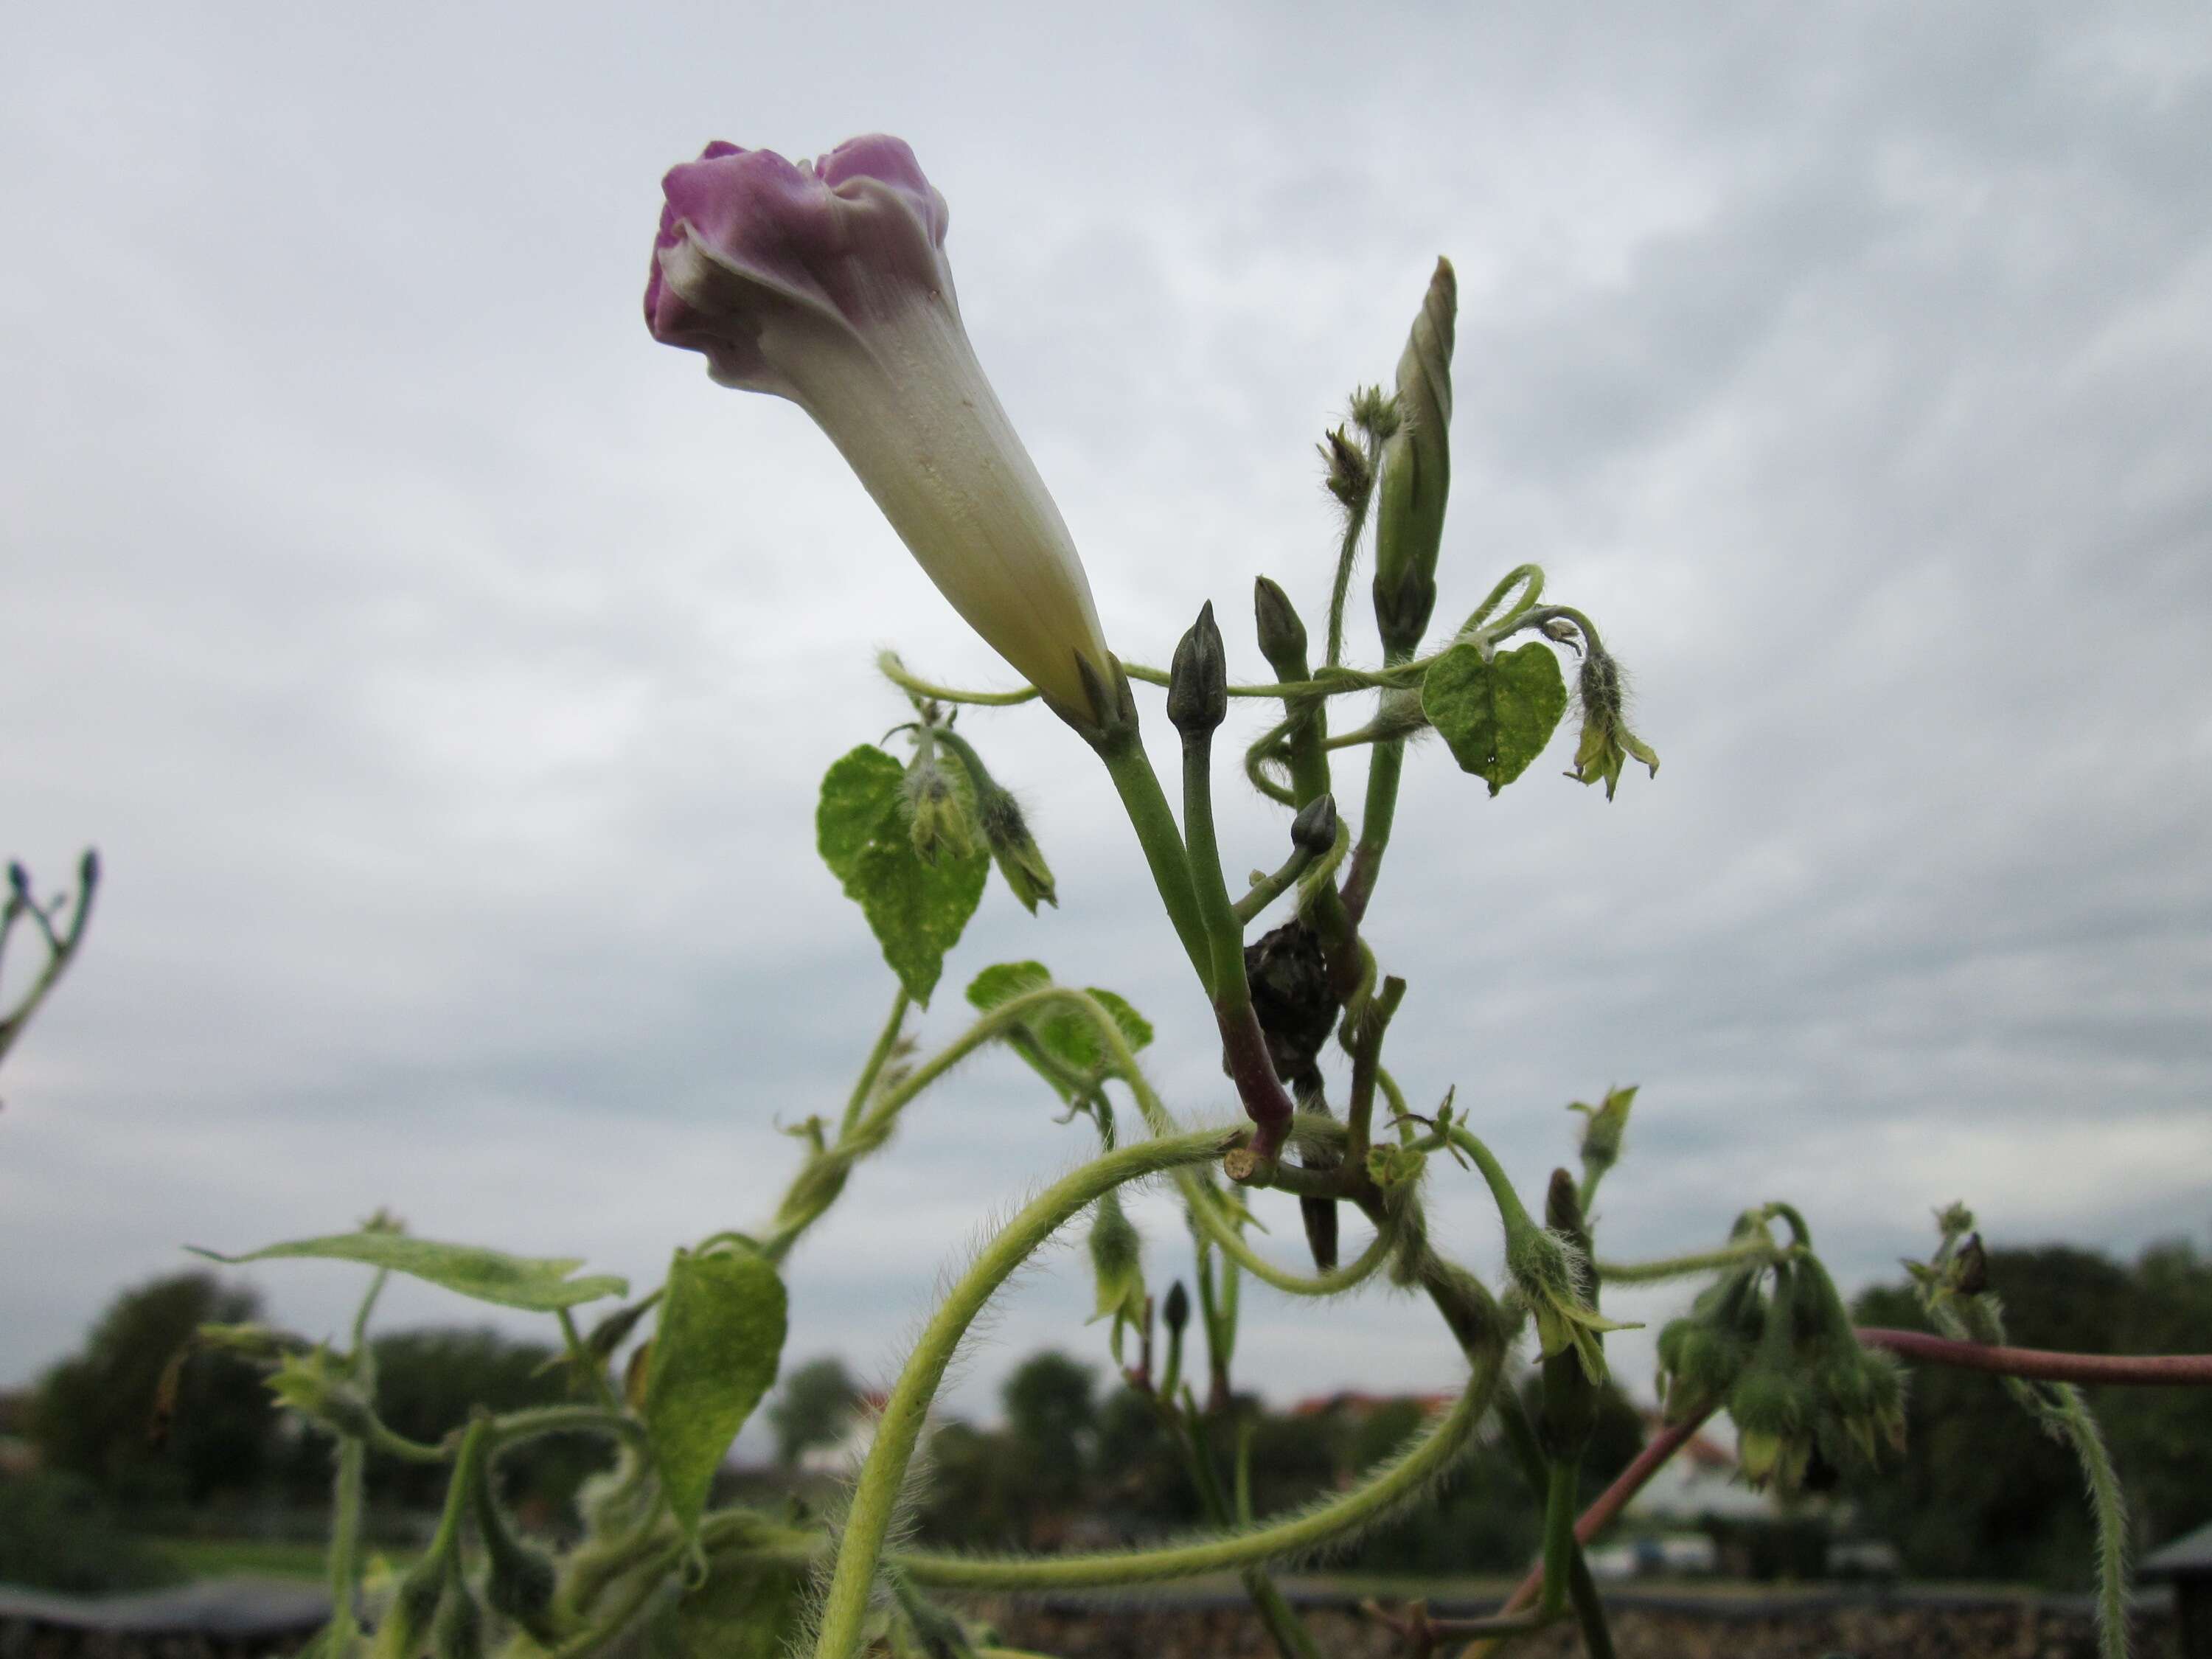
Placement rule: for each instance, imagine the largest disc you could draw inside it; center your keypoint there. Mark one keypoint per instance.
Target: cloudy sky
(444, 670)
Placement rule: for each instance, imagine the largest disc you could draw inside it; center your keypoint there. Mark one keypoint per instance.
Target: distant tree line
(1081, 1461)
(108, 1448)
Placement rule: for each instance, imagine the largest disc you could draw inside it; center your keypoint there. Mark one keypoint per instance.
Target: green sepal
(1118, 1268)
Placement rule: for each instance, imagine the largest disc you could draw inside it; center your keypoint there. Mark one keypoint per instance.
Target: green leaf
(1060, 1031)
(1497, 715)
(916, 910)
(715, 1354)
(540, 1284)
(857, 791)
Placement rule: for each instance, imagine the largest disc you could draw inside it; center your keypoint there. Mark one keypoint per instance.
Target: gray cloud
(445, 670)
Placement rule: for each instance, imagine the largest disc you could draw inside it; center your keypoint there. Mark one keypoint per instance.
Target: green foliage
(427, 1381)
(916, 909)
(1051, 1411)
(539, 1284)
(95, 1416)
(715, 1354)
(1062, 1033)
(1498, 716)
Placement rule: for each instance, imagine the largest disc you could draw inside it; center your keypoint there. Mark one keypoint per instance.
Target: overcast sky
(444, 670)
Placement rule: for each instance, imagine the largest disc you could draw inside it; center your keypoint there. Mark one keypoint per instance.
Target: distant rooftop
(2189, 1556)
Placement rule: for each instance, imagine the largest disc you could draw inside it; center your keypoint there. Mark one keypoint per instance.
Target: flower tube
(826, 283)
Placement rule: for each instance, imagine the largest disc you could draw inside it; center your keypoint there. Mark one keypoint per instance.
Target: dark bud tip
(87, 869)
(1282, 635)
(1314, 829)
(1176, 1311)
(1973, 1266)
(1197, 679)
(18, 880)
(1563, 1209)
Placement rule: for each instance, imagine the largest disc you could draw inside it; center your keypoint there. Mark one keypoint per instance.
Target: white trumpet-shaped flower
(826, 283)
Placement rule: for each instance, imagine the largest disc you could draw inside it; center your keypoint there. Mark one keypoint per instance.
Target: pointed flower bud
(1602, 1129)
(1314, 829)
(1970, 1267)
(826, 283)
(1198, 678)
(1416, 471)
(1177, 1309)
(1282, 635)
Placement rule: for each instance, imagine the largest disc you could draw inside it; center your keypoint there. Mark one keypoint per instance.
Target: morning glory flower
(826, 283)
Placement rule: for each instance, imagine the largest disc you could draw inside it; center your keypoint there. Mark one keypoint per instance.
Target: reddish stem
(2147, 1370)
(1615, 1497)
(2142, 1370)
(1244, 1057)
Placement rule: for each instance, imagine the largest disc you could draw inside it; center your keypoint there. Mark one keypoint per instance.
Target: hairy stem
(1606, 1507)
(1428, 1458)
(2042, 1364)
(1682, 1267)
(886, 1041)
(883, 1475)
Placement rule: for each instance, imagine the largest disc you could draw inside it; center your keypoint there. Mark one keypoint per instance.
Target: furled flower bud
(1416, 471)
(1282, 635)
(1198, 678)
(1970, 1267)
(826, 283)
(1602, 1129)
(1177, 1309)
(1314, 829)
